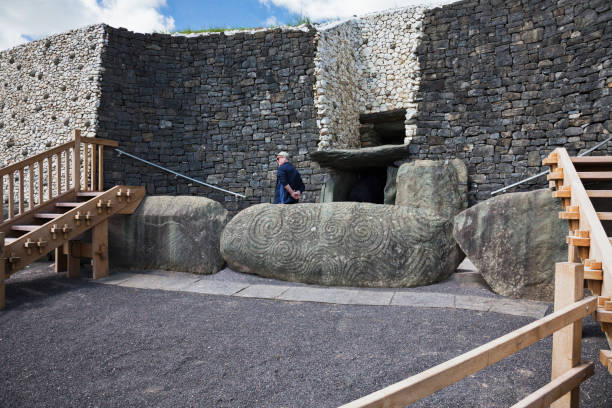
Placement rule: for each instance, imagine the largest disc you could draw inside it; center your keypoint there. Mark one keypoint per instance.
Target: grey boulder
(171, 233)
(440, 186)
(342, 243)
(514, 240)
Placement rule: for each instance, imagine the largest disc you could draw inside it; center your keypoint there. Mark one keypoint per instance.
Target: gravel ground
(75, 343)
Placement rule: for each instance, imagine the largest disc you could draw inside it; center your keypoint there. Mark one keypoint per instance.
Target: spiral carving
(352, 244)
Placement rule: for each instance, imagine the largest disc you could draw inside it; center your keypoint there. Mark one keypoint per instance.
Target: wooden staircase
(73, 203)
(584, 185)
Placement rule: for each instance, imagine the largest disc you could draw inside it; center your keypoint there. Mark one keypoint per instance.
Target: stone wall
(48, 88)
(215, 107)
(366, 65)
(505, 82)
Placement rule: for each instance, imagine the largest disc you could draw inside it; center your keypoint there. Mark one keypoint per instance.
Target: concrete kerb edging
(185, 282)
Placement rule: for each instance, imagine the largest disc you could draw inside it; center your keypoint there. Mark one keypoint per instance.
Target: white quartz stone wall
(337, 86)
(48, 88)
(367, 65)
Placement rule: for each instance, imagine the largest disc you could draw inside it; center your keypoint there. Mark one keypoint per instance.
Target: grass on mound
(292, 23)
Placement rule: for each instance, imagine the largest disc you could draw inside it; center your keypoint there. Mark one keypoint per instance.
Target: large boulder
(514, 240)
(440, 186)
(343, 243)
(171, 233)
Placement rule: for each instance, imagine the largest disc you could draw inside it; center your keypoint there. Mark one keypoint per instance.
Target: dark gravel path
(73, 343)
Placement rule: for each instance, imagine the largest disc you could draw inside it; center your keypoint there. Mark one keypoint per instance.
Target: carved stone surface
(350, 159)
(439, 185)
(171, 233)
(514, 240)
(350, 244)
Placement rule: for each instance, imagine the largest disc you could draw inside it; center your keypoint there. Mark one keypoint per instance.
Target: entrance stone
(342, 243)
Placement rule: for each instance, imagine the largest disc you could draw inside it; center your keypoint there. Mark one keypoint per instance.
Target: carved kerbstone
(345, 243)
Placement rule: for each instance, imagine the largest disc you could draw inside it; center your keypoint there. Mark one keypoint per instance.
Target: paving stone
(215, 287)
(338, 296)
(158, 282)
(263, 291)
(417, 299)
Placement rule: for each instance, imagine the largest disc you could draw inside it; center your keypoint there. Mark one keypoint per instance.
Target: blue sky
(236, 13)
(25, 20)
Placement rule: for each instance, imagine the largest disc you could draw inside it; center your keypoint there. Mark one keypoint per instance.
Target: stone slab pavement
(230, 283)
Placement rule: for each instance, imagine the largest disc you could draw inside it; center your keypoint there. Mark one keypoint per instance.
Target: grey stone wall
(215, 107)
(48, 88)
(505, 82)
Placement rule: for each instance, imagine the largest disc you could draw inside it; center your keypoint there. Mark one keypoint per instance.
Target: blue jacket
(287, 174)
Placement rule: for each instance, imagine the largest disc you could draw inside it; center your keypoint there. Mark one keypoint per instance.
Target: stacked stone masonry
(498, 84)
(215, 107)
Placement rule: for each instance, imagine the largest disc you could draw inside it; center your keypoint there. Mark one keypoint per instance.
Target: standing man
(289, 185)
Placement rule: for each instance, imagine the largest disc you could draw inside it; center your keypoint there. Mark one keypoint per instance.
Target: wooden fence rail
(436, 378)
(74, 166)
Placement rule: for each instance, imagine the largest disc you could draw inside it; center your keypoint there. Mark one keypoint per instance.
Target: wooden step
(47, 216)
(595, 175)
(68, 204)
(593, 274)
(592, 160)
(599, 193)
(25, 227)
(605, 216)
(89, 193)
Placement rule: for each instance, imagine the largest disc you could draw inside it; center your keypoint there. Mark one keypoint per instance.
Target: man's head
(282, 157)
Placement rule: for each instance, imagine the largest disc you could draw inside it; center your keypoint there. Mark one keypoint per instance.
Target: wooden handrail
(600, 247)
(557, 387)
(35, 159)
(81, 169)
(436, 378)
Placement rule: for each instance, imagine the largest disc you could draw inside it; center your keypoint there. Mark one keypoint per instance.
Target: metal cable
(178, 174)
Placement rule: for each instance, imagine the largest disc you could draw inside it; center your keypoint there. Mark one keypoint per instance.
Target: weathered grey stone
(391, 185)
(514, 241)
(350, 244)
(349, 159)
(440, 186)
(172, 233)
(337, 186)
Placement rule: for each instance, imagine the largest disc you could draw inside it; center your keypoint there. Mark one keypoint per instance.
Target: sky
(26, 20)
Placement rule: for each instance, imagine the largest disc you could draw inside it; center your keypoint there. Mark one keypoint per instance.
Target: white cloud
(331, 9)
(271, 21)
(21, 20)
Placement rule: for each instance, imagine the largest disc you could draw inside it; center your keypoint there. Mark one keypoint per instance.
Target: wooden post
(21, 191)
(567, 342)
(11, 195)
(76, 160)
(99, 247)
(61, 258)
(74, 259)
(41, 176)
(50, 177)
(2, 272)
(100, 167)
(31, 185)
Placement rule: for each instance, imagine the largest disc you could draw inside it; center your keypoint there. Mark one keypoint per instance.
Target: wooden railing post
(100, 168)
(76, 160)
(567, 342)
